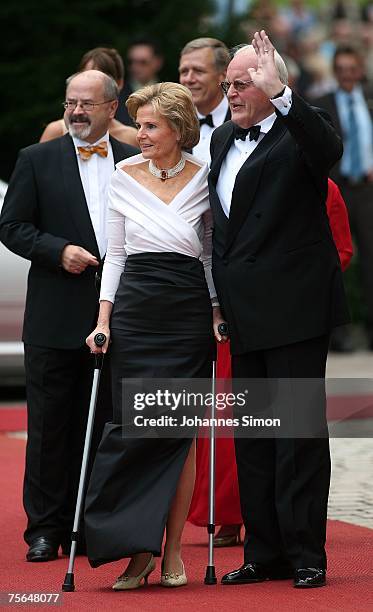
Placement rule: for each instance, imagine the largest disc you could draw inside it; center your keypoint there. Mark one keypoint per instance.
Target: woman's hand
(217, 318)
(100, 329)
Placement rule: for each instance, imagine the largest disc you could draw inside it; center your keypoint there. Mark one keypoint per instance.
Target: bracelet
(214, 303)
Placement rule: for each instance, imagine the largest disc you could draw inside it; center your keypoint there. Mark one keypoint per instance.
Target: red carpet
(13, 418)
(350, 577)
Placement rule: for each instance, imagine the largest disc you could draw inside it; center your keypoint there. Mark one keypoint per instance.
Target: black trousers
(58, 387)
(283, 482)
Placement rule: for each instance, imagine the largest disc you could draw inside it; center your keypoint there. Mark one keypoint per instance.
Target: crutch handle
(223, 329)
(99, 339)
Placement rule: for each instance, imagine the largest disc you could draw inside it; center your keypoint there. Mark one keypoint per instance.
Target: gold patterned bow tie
(86, 152)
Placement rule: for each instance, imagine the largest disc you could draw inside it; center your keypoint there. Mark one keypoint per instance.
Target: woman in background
(110, 62)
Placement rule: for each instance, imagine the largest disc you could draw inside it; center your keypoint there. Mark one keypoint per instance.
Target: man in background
(202, 67)
(352, 115)
(144, 62)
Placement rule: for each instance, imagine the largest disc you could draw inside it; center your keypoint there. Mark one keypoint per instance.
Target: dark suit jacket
(44, 210)
(328, 103)
(275, 265)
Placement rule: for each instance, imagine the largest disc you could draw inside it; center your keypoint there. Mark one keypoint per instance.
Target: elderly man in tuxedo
(279, 282)
(202, 67)
(351, 109)
(54, 215)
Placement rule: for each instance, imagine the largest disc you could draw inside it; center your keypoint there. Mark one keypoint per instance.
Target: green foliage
(43, 41)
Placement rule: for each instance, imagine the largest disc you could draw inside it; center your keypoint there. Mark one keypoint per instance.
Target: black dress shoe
(42, 549)
(255, 572)
(308, 577)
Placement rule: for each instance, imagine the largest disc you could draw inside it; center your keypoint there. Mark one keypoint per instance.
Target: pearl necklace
(170, 172)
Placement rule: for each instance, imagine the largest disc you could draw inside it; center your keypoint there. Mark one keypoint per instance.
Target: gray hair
(279, 62)
(220, 50)
(111, 89)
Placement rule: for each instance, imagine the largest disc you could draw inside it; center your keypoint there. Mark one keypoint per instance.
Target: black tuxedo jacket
(275, 265)
(328, 103)
(44, 210)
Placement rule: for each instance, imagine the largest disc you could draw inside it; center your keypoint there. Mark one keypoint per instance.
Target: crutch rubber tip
(68, 586)
(210, 577)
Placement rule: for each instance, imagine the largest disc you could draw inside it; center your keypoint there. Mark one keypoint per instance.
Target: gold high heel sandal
(228, 535)
(172, 579)
(125, 582)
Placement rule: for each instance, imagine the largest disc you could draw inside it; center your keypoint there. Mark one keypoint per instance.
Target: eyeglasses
(237, 84)
(85, 106)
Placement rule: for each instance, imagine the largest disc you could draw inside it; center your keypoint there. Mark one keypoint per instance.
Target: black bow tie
(208, 120)
(241, 133)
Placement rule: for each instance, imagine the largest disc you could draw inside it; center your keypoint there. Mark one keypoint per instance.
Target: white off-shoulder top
(140, 222)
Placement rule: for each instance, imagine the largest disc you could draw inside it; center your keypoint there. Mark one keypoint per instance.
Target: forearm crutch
(210, 577)
(68, 585)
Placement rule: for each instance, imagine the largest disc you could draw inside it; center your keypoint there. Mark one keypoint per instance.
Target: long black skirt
(161, 327)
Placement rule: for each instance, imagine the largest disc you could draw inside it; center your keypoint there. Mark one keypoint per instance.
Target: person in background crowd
(352, 117)
(110, 62)
(299, 17)
(54, 214)
(144, 62)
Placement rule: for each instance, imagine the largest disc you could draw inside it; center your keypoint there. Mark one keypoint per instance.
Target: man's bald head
(92, 99)
(88, 78)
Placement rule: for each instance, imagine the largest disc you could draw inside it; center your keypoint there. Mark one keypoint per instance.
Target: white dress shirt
(240, 150)
(140, 222)
(202, 149)
(95, 174)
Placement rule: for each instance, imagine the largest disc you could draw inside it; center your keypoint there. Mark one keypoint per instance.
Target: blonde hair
(173, 102)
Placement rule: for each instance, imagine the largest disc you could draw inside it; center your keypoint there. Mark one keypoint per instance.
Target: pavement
(351, 490)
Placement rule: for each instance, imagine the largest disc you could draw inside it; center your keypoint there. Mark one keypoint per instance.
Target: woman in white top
(158, 307)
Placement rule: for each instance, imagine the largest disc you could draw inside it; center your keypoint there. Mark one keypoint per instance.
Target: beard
(81, 131)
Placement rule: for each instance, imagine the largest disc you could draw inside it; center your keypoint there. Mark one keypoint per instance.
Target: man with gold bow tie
(54, 214)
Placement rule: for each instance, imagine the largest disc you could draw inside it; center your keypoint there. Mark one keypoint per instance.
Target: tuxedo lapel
(222, 149)
(75, 197)
(117, 150)
(248, 176)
